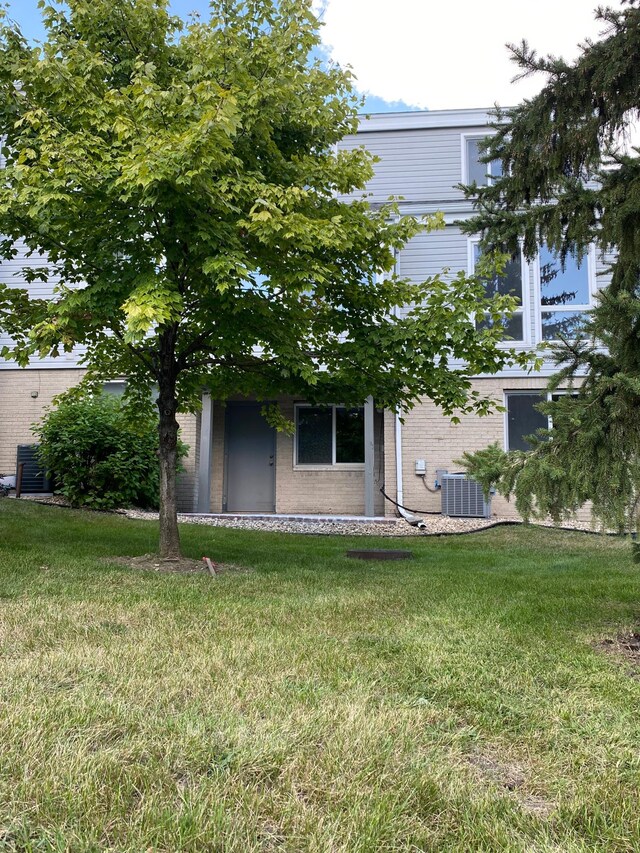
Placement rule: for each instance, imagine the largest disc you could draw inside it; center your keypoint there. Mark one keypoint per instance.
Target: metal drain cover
(380, 554)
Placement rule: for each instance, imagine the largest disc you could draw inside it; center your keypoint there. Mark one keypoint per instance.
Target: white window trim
(467, 137)
(590, 260)
(560, 392)
(321, 466)
(524, 309)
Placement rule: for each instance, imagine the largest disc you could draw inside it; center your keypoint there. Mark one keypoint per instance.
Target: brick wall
(187, 478)
(333, 491)
(20, 410)
(428, 435)
(330, 491)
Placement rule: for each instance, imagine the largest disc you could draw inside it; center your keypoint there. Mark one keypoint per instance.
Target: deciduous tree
(201, 226)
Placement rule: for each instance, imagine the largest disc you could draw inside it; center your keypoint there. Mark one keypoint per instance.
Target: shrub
(99, 456)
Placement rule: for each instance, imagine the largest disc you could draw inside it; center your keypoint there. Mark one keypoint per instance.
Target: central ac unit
(463, 498)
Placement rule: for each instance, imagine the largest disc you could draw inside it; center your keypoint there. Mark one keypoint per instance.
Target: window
(558, 395)
(510, 283)
(329, 435)
(523, 419)
(473, 170)
(115, 388)
(565, 295)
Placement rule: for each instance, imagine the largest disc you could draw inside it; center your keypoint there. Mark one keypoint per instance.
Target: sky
(428, 54)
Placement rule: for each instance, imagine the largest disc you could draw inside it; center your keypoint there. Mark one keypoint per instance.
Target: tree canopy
(571, 178)
(203, 229)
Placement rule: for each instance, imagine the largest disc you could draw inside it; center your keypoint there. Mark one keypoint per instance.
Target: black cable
(400, 506)
(423, 477)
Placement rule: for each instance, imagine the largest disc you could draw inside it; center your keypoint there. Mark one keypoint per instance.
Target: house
(338, 459)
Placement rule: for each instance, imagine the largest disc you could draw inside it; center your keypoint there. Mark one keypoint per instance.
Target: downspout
(399, 483)
(414, 520)
(398, 436)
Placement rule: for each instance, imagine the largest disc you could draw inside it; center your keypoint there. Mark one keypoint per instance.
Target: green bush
(98, 455)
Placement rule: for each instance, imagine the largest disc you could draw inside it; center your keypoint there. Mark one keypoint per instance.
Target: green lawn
(453, 702)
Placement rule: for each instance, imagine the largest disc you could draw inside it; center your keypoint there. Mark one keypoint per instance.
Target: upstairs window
(473, 170)
(329, 435)
(565, 295)
(510, 283)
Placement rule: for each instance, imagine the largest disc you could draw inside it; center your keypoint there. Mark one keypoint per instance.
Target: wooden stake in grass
(210, 566)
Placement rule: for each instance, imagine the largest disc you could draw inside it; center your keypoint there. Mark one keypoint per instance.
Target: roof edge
(419, 119)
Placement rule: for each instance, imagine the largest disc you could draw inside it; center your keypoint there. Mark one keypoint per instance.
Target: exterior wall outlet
(440, 473)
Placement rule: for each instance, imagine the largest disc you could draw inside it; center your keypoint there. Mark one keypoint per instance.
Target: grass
(454, 702)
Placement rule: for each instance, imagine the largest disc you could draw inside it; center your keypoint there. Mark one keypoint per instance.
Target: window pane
(476, 171)
(314, 428)
(563, 287)
(561, 323)
(349, 435)
(513, 327)
(507, 284)
(115, 389)
(523, 419)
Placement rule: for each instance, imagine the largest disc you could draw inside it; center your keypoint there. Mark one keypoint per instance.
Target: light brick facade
(427, 434)
(27, 393)
(329, 491)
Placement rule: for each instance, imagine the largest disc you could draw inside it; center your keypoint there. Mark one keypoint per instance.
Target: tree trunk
(168, 457)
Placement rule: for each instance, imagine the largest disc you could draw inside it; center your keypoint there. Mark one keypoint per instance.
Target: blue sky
(27, 14)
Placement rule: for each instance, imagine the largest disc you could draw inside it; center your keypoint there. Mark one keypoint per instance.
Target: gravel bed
(437, 525)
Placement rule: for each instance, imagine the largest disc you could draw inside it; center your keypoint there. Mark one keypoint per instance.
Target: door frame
(246, 404)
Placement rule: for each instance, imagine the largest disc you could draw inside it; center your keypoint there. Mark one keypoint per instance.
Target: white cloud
(438, 55)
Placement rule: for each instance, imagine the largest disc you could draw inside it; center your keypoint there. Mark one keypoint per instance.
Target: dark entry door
(250, 455)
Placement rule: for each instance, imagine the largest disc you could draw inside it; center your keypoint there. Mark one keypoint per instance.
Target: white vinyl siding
(419, 165)
(11, 275)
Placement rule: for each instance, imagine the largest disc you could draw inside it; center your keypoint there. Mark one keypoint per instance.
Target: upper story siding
(421, 160)
(421, 156)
